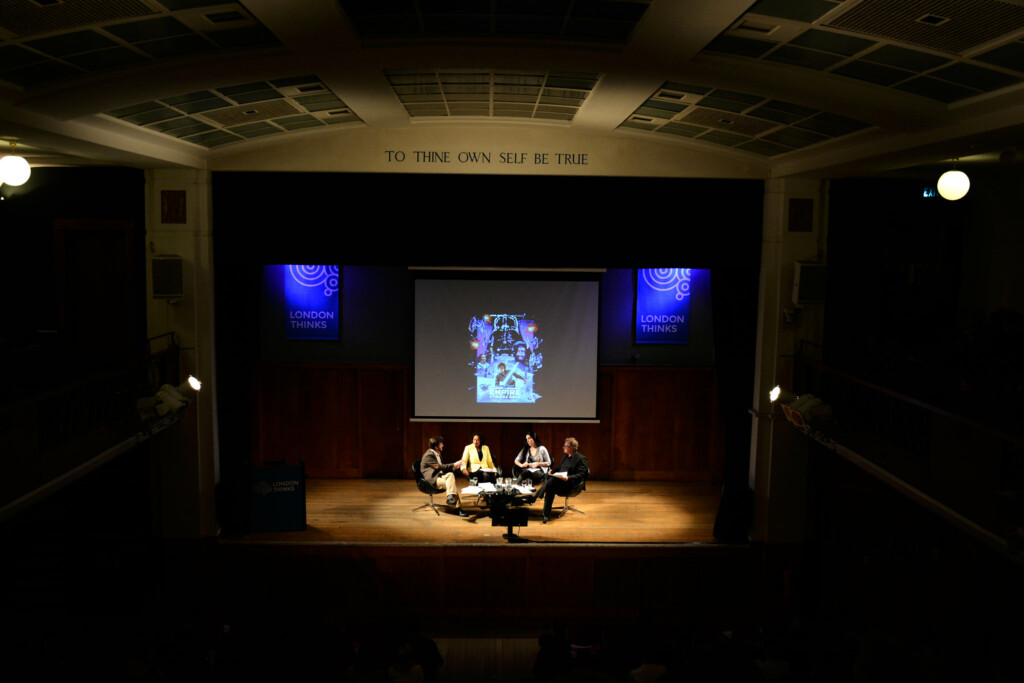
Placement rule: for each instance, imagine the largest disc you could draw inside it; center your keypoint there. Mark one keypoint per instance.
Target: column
(178, 222)
(795, 229)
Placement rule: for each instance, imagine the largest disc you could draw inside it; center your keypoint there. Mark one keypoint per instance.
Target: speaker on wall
(809, 283)
(167, 277)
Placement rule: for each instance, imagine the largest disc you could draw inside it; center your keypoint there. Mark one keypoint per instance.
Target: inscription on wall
(476, 158)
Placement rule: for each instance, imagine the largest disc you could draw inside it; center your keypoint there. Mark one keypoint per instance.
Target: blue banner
(311, 301)
(663, 305)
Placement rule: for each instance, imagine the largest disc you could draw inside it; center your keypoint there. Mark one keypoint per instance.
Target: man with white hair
(563, 479)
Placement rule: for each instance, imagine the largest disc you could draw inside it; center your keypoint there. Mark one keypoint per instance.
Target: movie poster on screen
(506, 357)
(663, 306)
(311, 301)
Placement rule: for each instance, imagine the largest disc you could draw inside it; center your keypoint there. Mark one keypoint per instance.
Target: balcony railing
(973, 469)
(47, 434)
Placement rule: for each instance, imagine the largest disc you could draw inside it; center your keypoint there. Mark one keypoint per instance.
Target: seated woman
(533, 459)
(477, 457)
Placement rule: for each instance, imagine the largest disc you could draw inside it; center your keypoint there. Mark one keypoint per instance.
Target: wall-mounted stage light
(954, 184)
(780, 394)
(168, 400)
(14, 170)
(799, 410)
(804, 408)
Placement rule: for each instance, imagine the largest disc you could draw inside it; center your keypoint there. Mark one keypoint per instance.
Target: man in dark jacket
(562, 480)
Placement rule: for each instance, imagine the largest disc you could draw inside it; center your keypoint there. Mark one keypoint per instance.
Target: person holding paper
(533, 459)
(563, 479)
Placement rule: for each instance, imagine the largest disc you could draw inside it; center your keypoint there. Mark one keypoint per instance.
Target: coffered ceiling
(810, 87)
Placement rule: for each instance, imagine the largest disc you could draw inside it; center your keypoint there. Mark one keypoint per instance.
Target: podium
(278, 498)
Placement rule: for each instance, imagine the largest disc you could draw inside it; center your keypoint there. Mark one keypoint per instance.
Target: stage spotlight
(168, 400)
(780, 394)
(805, 409)
(175, 399)
(801, 407)
(799, 410)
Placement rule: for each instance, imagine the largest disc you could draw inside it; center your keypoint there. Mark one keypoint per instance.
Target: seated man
(439, 475)
(563, 479)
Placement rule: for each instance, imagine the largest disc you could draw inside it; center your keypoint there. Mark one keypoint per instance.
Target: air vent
(758, 28)
(248, 113)
(951, 27)
(31, 17)
(222, 17)
(669, 95)
(734, 123)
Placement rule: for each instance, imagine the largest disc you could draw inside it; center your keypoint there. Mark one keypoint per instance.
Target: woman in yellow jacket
(477, 457)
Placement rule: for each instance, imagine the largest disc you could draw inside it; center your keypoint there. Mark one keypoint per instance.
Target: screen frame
(469, 274)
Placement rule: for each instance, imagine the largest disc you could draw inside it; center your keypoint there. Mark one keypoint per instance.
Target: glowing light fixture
(14, 170)
(954, 184)
(779, 393)
(799, 410)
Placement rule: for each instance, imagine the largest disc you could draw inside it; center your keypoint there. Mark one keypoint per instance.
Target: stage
(639, 548)
(381, 511)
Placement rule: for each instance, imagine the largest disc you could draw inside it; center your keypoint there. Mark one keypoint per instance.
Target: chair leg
(567, 507)
(429, 505)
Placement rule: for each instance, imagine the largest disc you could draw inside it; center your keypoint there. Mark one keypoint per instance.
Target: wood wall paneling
(663, 424)
(310, 413)
(382, 421)
(353, 421)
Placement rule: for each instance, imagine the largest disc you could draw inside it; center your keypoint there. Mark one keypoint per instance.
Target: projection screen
(505, 349)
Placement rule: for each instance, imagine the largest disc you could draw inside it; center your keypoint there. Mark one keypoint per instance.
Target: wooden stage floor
(380, 511)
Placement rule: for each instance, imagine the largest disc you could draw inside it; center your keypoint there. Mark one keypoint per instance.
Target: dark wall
(72, 324)
(72, 293)
(476, 222)
(894, 272)
(924, 294)
(376, 320)
(444, 220)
